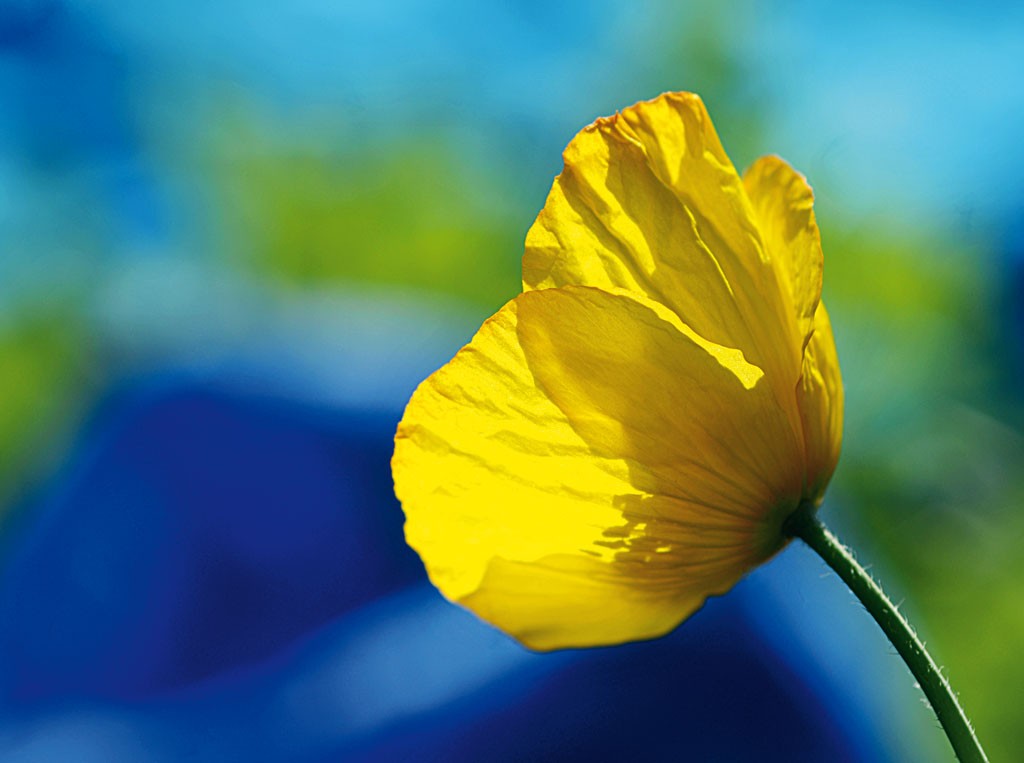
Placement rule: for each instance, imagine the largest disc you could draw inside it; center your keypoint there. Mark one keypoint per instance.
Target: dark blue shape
(707, 692)
(199, 531)
(222, 576)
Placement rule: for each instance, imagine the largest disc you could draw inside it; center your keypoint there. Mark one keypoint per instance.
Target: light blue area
(400, 57)
(83, 736)
(916, 105)
(913, 110)
(917, 102)
(360, 348)
(407, 655)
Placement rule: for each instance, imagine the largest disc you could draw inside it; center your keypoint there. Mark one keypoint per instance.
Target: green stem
(804, 524)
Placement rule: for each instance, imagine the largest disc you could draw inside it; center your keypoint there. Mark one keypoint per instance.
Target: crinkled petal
(820, 396)
(649, 202)
(585, 473)
(783, 204)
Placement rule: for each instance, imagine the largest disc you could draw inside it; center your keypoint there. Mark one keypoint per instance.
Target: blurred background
(234, 236)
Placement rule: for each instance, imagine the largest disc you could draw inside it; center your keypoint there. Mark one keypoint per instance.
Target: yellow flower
(626, 437)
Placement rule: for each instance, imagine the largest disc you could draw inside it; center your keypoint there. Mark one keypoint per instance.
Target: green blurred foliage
(408, 214)
(42, 379)
(931, 481)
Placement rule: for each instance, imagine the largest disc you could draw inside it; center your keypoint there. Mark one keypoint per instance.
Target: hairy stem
(804, 524)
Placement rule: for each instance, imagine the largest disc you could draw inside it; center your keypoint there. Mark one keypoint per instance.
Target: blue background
(234, 238)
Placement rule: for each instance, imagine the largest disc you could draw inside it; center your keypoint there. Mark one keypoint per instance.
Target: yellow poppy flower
(627, 436)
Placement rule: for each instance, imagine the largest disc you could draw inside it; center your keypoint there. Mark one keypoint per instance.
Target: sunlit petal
(784, 209)
(820, 396)
(649, 202)
(582, 448)
(627, 437)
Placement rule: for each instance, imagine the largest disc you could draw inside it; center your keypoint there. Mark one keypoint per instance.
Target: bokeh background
(235, 235)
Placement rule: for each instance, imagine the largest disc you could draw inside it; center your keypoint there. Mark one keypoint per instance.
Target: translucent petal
(784, 208)
(585, 473)
(820, 396)
(649, 202)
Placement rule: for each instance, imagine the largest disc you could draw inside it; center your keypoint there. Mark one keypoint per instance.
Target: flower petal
(784, 207)
(820, 396)
(649, 202)
(585, 473)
